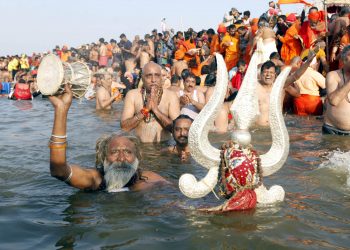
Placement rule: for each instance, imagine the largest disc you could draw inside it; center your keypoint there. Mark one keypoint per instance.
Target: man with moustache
(117, 158)
(192, 101)
(181, 127)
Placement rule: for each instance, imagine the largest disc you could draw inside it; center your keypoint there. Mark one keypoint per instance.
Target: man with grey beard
(117, 158)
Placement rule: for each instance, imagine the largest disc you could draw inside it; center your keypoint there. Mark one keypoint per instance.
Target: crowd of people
(165, 79)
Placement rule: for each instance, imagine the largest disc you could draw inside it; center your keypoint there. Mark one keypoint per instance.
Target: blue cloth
(6, 88)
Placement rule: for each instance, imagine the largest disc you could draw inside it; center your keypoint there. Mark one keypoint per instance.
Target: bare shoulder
(153, 177)
(333, 77)
(133, 92)
(168, 94)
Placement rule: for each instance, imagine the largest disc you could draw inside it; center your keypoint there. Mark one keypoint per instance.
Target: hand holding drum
(53, 75)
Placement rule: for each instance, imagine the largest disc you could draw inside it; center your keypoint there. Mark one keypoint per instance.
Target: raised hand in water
(62, 101)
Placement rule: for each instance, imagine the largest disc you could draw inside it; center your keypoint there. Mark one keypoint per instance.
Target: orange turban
(315, 16)
(221, 28)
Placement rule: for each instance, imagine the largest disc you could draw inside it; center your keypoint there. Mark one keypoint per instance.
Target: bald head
(152, 75)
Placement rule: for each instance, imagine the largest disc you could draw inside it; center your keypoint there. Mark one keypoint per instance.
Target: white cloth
(190, 109)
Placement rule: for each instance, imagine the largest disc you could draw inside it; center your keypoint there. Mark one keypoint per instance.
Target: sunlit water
(40, 212)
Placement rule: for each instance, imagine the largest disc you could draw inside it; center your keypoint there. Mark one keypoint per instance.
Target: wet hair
(184, 73)
(102, 147)
(344, 52)
(239, 22)
(175, 79)
(274, 55)
(210, 80)
(246, 13)
(205, 70)
(267, 65)
(101, 40)
(189, 75)
(179, 118)
(192, 63)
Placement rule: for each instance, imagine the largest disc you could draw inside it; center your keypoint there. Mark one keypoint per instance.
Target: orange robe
(215, 44)
(291, 47)
(231, 51)
(345, 40)
(308, 105)
(310, 35)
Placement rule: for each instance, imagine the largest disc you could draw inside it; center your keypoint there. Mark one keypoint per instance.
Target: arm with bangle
(73, 175)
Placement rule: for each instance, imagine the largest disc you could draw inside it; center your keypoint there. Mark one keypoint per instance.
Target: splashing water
(338, 161)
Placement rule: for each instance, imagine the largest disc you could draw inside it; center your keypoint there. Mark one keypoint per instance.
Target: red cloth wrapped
(243, 200)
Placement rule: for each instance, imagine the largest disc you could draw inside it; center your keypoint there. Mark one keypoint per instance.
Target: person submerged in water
(181, 127)
(117, 158)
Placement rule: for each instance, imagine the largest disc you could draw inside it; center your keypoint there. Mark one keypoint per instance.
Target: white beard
(118, 174)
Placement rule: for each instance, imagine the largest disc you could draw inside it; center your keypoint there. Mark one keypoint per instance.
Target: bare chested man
(268, 40)
(180, 64)
(264, 87)
(117, 158)
(192, 101)
(93, 58)
(104, 95)
(103, 58)
(337, 118)
(151, 110)
(181, 127)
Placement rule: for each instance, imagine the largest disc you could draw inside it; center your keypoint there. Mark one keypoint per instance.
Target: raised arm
(73, 175)
(299, 72)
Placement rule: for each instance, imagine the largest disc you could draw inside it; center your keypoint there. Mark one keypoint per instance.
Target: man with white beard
(117, 158)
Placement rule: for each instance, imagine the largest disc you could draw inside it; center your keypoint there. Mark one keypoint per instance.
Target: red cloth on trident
(243, 200)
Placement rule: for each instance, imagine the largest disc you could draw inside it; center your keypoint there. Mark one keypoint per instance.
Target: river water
(40, 212)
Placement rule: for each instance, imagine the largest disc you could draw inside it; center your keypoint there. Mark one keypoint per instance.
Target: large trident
(244, 110)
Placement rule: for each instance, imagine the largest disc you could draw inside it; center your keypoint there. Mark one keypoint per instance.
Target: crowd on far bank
(283, 40)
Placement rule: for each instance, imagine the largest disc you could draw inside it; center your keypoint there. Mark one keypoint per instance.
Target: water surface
(40, 212)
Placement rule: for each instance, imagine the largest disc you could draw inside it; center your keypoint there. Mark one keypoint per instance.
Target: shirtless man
(93, 57)
(104, 95)
(264, 88)
(145, 54)
(181, 127)
(117, 158)
(103, 58)
(336, 117)
(180, 64)
(192, 101)
(268, 37)
(150, 111)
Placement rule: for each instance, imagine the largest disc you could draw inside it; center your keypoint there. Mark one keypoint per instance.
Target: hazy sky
(39, 25)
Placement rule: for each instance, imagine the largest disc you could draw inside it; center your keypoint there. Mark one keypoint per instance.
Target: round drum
(81, 79)
(53, 74)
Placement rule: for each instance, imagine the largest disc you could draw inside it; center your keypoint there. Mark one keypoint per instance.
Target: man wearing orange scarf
(291, 45)
(314, 30)
(230, 43)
